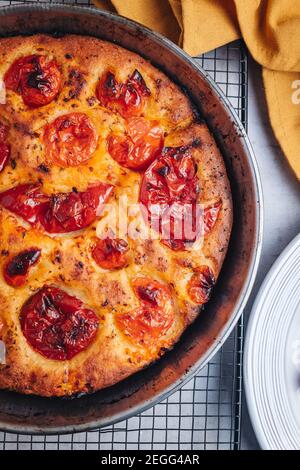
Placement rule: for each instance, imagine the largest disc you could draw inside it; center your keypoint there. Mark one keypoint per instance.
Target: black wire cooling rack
(206, 412)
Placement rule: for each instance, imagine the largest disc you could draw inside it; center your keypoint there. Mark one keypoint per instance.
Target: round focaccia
(115, 214)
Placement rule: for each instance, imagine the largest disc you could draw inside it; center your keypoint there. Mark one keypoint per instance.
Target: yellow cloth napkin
(270, 29)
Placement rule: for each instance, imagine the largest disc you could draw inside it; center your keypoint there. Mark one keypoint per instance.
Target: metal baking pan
(31, 414)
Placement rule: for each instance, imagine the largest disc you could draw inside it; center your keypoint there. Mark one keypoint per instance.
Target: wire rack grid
(206, 412)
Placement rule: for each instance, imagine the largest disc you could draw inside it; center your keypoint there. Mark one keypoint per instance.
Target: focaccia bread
(103, 164)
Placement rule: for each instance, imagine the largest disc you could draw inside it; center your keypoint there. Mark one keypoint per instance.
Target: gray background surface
(281, 191)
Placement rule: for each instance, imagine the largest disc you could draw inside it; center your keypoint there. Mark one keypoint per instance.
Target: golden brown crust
(89, 58)
(66, 261)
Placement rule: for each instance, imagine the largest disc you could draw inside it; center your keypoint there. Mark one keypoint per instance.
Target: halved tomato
(155, 315)
(110, 253)
(139, 147)
(36, 78)
(169, 191)
(169, 186)
(200, 285)
(26, 201)
(125, 98)
(58, 213)
(70, 140)
(56, 324)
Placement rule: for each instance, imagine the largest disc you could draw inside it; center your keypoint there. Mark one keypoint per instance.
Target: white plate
(272, 355)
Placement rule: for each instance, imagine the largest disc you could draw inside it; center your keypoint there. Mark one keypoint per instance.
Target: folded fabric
(270, 29)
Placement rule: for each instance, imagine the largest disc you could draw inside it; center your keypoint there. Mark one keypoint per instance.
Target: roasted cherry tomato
(73, 211)
(26, 201)
(59, 213)
(138, 148)
(125, 98)
(4, 147)
(203, 221)
(200, 285)
(168, 187)
(16, 270)
(36, 78)
(169, 191)
(155, 315)
(110, 253)
(56, 324)
(172, 177)
(70, 140)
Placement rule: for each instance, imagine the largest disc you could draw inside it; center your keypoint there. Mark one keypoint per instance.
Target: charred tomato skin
(16, 269)
(153, 318)
(172, 184)
(70, 212)
(201, 284)
(108, 89)
(58, 213)
(36, 78)
(125, 98)
(57, 325)
(150, 291)
(110, 253)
